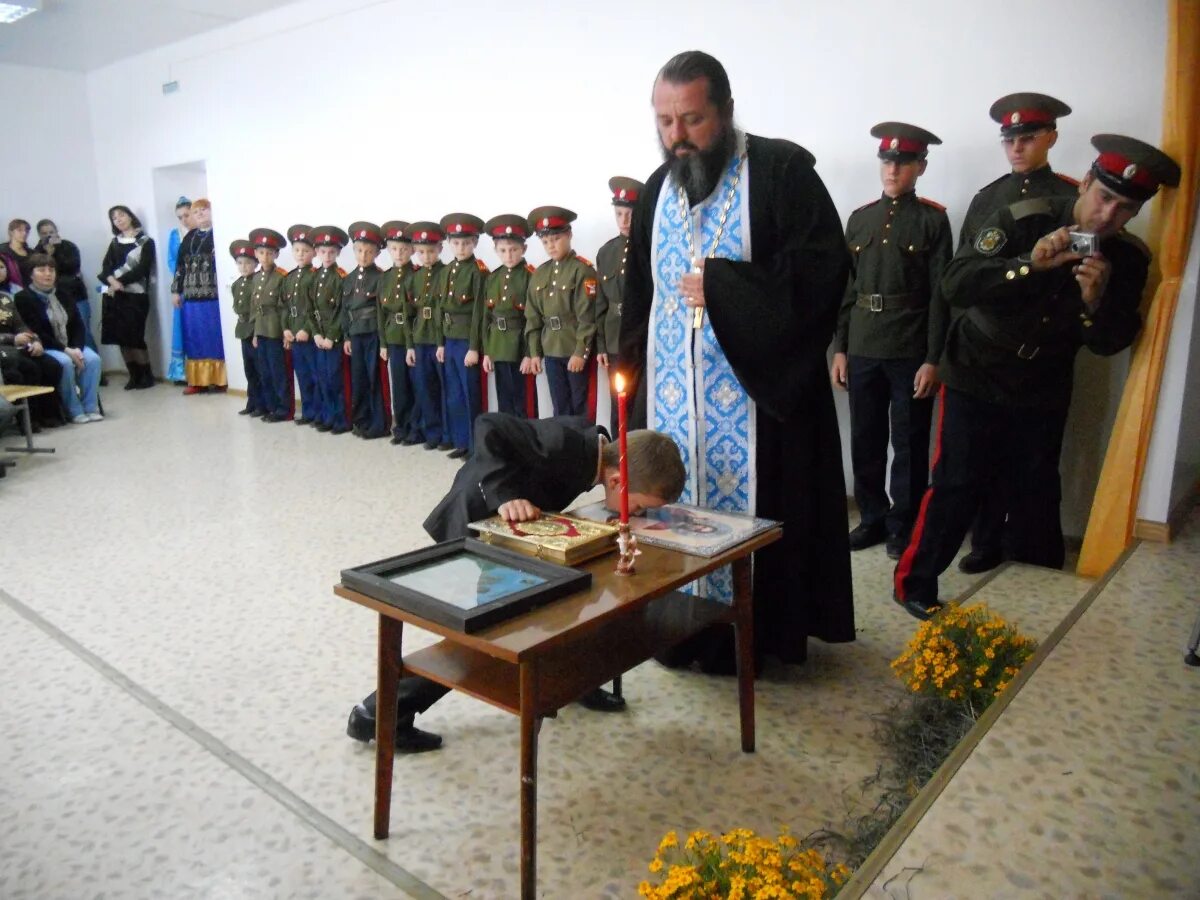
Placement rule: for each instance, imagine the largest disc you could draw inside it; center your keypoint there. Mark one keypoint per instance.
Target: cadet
(393, 327)
(560, 316)
(892, 325)
(1042, 278)
(610, 266)
(360, 331)
(267, 301)
(424, 335)
(503, 313)
(459, 288)
(326, 305)
(243, 307)
(297, 322)
(1028, 129)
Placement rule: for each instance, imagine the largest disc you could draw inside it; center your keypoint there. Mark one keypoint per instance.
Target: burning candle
(622, 429)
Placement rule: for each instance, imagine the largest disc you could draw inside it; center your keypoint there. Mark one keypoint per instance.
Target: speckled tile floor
(1089, 784)
(190, 554)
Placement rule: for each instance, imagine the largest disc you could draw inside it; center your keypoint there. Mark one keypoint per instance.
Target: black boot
(147, 379)
(135, 376)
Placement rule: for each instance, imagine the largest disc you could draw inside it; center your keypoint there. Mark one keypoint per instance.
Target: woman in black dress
(128, 266)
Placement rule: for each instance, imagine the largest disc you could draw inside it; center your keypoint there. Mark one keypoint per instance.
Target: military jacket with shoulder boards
(899, 248)
(459, 290)
(1015, 342)
(610, 299)
(425, 323)
(11, 323)
(504, 312)
(560, 309)
(266, 300)
(393, 305)
(360, 301)
(243, 328)
(1013, 188)
(325, 303)
(296, 298)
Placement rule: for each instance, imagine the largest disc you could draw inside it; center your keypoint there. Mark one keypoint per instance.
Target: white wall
(345, 109)
(47, 162)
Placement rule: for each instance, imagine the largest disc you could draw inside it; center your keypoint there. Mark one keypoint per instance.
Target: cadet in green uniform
(325, 304)
(459, 289)
(891, 328)
(297, 322)
(503, 314)
(425, 336)
(1041, 279)
(610, 266)
(560, 313)
(360, 332)
(393, 328)
(243, 329)
(266, 290)
(1028, 130)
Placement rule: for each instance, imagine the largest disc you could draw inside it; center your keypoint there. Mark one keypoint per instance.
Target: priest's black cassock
(774, 318)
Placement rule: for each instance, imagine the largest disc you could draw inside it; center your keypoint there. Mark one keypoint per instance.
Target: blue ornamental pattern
(694, 395)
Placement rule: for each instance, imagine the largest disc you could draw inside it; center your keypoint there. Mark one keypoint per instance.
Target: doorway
(189, 180)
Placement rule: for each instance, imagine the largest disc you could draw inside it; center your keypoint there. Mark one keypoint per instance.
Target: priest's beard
(700, 171)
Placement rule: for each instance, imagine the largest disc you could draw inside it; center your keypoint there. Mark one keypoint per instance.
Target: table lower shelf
(568, 671)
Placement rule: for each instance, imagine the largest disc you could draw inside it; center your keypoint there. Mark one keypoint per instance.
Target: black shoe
(396, 439)
(300, 420)
(410, 441)
(922, 611)
(409, 738)
(601, 700)
(338, 429)
(103, 381)
(865, 536)
(258, 414)
(431, 445)
(357, 431)
(361, 726)
(445, 446)
(896, 545)
(275, 417)
(321, 426)
(373, 435)
(458, 453)
(978, 561)
(246, 412)
(147, 379)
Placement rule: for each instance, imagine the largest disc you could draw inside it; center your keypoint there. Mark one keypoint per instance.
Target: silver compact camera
(1084, 243)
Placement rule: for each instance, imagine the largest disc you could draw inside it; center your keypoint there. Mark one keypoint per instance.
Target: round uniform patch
(990, 240)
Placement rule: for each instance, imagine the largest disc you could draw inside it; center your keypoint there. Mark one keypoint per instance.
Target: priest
(737, 263)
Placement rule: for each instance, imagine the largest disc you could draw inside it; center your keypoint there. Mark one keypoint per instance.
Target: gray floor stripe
(355, 846)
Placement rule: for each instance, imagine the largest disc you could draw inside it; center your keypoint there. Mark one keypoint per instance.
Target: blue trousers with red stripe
(975, 438)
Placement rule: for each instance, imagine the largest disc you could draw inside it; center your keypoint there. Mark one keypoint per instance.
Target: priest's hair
(655, 466)
(689, 65)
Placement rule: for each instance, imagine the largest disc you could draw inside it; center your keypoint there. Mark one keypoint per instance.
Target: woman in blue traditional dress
(183, 212)
(194, 292)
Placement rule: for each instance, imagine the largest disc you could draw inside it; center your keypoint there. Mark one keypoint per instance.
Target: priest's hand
(518, 511)
(925, 382)
(575, 363)
(691, 286)
(837, 371)
(1053, 250)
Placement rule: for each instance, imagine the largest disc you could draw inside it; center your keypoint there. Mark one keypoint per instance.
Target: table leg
(390, 633)
(529, 738)
(743, 605)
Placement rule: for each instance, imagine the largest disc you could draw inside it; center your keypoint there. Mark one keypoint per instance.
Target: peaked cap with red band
(1133, 168)
(550, 219)
(241, 249)
(462, 225)
(625, 191)
(365, 231)
(393, 230)
(1025, 112)
(268, 237)
(509, 226)
(300, 234)
(424, 232)
(329, 236)
(902, 142)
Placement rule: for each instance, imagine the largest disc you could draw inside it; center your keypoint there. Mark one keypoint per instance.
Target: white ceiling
(82, 35)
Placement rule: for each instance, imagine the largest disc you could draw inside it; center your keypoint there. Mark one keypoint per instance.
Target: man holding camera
(1040, 279)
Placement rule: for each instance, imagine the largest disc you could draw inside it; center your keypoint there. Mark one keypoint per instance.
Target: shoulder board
(866, 206)
(280, 270)
(585, 260)
(992, 184)
(482, 266)
(932, 203)
(1134, 241)
(341, 271)
(529, 268)
(1074, 182)
(1036, 206)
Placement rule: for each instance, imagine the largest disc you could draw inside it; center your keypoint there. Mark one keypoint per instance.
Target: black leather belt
(1023, 349)
(881, 302)
(363, 312)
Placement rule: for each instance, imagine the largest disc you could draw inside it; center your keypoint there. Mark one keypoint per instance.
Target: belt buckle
(1025, 353)
(876, 301)
(501, 324)
(447, 320)
(399, 318)
(426, 312)
(294, 315)
(619, 305)
(555, 323)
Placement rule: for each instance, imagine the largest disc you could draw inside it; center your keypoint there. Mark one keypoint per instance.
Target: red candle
(622, 428)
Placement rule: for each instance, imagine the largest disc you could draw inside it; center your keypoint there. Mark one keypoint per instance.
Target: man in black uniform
(891, 328)
(517, 468)
(1028, 130)
(1042, 278)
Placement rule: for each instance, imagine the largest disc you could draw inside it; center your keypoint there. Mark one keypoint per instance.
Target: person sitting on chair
(517, 468)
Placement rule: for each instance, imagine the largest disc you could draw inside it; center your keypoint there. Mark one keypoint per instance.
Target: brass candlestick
(626, 549)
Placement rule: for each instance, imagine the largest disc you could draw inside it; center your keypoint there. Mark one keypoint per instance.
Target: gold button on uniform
(1010, 274)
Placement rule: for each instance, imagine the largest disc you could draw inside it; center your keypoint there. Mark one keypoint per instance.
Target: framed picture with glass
(465, 584)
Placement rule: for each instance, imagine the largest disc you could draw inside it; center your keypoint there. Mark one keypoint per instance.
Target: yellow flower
(670, 839)
(656, 865)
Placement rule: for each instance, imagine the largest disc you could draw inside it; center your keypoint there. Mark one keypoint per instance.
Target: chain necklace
(685, 211)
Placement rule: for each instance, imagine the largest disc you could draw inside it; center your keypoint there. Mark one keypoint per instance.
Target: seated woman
(23, 359)
(59, 327)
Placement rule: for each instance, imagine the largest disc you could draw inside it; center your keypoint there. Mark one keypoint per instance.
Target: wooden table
(536, 663)
(18, 395)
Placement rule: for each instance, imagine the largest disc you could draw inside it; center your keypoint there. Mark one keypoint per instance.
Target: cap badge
(1015, 118)
(458, 227)
(508, 229)
(622, 194)
(1130, 171)
(545, 223)
(362, 233)
(424, 234)
(894, 144)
